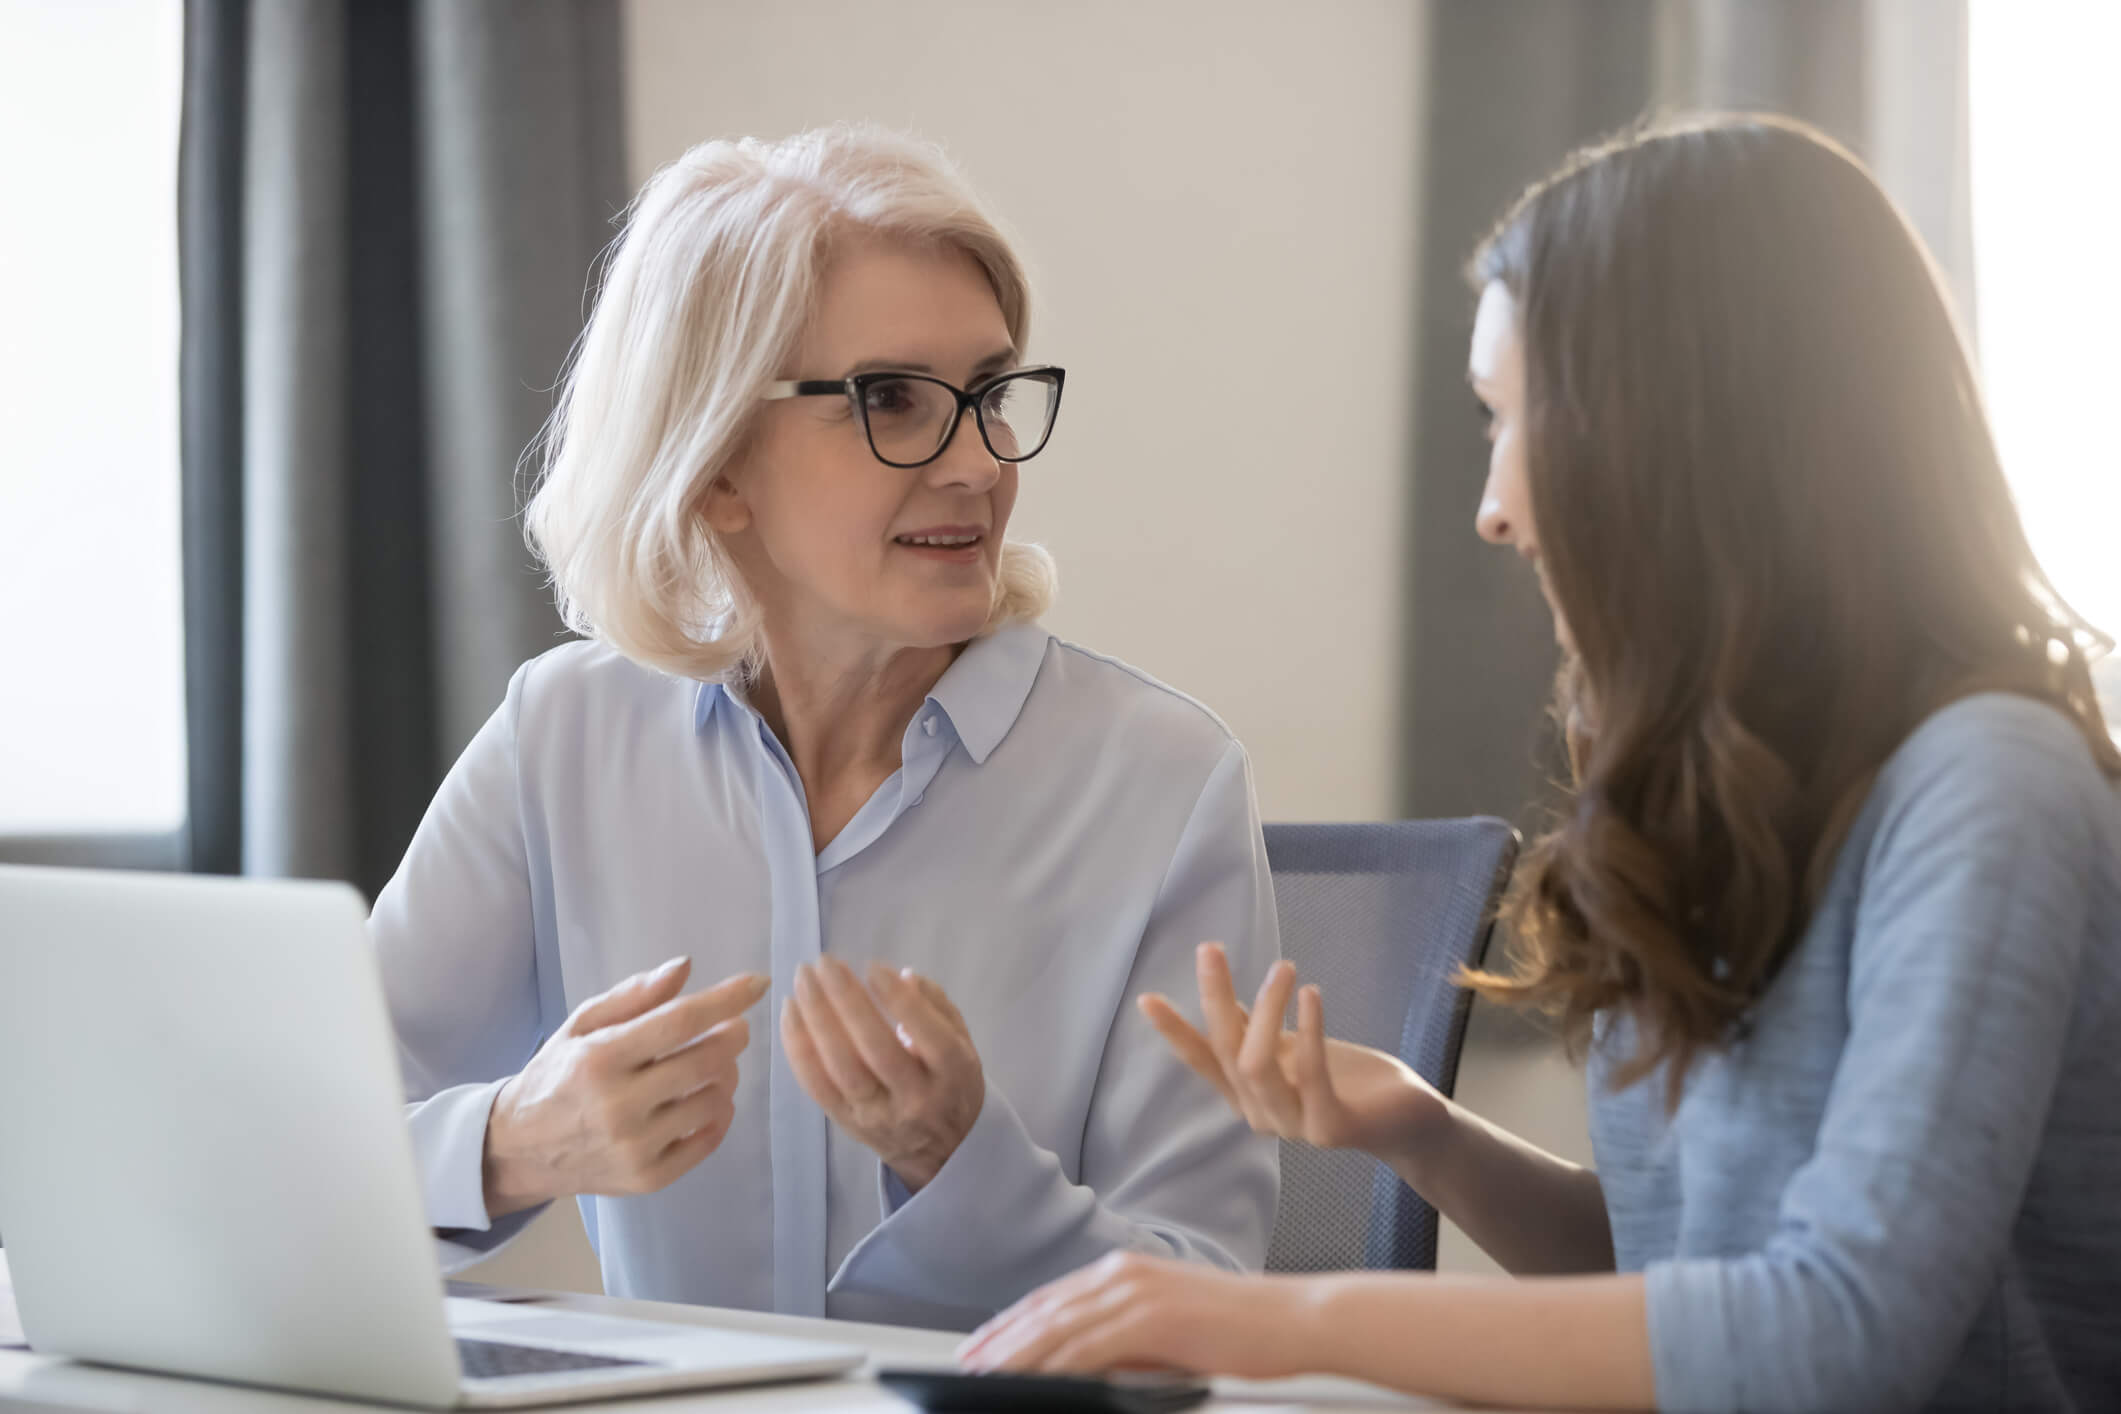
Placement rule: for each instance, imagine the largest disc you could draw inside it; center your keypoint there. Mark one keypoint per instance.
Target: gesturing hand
(636, 1088)
(1297, 1084)
(903, 1077)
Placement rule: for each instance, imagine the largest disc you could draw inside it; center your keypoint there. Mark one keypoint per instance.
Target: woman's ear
(724, 508)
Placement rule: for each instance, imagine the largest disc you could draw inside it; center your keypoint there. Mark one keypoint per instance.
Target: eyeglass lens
(910, 418)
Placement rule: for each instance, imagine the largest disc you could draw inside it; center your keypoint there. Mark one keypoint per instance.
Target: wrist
(913, 1172)
(1420, 1150)
(1294, 1336)
(920, 1167)
(504, 1177)
(916, 1171)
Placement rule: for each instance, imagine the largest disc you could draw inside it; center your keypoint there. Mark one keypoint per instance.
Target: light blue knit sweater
(1902, 1190)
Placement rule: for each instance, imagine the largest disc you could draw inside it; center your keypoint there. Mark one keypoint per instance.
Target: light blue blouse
(1061, 833)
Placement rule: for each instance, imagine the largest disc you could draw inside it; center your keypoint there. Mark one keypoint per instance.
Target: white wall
(1217, 201)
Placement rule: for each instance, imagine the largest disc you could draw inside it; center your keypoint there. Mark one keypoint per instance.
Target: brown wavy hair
(1771, 514)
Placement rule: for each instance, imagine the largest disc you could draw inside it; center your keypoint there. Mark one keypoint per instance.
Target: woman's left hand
(903, 1077)
(1128, 1311)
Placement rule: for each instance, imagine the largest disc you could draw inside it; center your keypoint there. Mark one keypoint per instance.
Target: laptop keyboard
(493, 1359)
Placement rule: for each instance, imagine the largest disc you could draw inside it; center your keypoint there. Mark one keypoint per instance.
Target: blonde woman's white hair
(705, 296)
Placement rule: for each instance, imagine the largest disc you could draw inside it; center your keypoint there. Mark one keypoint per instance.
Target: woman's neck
(841, 712)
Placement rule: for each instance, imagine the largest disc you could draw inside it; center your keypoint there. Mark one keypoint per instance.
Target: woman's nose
(966, 461)
(1493, 522)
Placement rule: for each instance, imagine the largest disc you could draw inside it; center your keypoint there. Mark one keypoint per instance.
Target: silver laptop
(205, 1169)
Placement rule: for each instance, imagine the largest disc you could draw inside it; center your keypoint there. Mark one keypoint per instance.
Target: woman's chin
(941, 630)
(938, 619)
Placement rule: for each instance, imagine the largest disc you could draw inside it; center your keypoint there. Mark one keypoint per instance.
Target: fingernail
(907, 973)
(669, 967)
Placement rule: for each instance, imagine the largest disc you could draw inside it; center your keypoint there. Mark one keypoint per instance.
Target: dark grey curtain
(1512, 86)
(389, 209)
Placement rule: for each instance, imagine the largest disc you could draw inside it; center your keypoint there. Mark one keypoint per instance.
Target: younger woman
(1835, 906)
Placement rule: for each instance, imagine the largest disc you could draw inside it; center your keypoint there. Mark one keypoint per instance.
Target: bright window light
(91, 691)
(2046, 125)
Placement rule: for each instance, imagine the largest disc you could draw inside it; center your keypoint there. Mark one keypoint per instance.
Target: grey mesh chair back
(1381, 917)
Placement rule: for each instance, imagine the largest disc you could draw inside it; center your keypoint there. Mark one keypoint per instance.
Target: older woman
(816, 749)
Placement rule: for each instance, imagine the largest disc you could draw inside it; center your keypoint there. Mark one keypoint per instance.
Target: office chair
(1381, 917)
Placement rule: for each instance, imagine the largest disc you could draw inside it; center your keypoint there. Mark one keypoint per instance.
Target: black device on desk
(949, 1392)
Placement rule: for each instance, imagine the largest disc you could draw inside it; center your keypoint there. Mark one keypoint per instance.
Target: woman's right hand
(1298, 1084)
(637, 1087)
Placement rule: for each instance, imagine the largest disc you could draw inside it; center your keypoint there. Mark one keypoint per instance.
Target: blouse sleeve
(453, 937)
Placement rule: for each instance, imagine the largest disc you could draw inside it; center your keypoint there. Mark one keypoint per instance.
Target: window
(2046, 121)
(92, 708)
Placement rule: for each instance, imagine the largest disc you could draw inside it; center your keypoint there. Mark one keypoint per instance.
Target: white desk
(41, 1382)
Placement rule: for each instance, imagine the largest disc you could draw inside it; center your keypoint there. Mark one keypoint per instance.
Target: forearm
(1536, 1214)
(1577, 1342)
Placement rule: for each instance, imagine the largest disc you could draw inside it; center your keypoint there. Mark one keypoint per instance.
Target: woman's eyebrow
(1000, 358)
(890, 365)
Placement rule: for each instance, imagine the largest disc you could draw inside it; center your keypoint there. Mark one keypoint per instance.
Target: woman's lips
(952, 546)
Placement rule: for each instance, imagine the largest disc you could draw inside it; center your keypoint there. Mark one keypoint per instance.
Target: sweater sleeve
(1969, 931)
